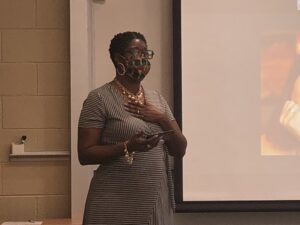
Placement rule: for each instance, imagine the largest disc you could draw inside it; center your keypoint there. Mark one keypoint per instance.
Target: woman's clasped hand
(147, 111)
(140, 143)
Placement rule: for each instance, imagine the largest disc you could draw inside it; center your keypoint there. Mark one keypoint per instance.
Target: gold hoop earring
(122, 67)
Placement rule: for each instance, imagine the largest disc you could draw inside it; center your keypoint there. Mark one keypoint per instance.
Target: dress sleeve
(166, 107)
(92, 113)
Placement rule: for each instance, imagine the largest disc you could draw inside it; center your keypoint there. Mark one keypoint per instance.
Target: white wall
(90, 67)
(81, 83)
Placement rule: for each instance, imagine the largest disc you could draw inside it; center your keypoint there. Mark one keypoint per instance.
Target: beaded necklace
(137, 98)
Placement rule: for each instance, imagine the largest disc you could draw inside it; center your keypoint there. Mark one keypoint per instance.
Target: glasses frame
(136, 52)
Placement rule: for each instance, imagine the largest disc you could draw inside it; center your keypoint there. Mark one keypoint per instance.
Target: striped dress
(119, 193)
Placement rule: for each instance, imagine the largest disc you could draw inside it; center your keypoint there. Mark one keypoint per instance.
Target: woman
(133, 184)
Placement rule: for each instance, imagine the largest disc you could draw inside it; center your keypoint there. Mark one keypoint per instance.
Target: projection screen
(237, 97)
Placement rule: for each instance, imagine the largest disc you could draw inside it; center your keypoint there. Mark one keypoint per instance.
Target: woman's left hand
(147, 111)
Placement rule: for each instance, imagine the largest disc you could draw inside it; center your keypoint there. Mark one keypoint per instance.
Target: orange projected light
(276, 60)
(298, 45)
(280, 95)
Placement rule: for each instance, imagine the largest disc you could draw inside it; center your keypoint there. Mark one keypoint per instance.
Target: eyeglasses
(136, 52)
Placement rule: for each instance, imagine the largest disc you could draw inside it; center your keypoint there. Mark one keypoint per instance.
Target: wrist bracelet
(128, 155)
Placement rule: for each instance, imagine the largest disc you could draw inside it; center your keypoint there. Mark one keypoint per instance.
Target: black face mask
(137, 69)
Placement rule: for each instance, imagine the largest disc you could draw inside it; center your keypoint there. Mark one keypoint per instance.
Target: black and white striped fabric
(122, 194)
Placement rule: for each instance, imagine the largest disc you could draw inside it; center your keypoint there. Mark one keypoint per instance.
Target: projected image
(280, 94)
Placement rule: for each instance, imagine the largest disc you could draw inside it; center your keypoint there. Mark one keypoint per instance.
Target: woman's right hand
(139, 142)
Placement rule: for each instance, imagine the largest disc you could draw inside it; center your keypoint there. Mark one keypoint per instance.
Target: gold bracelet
(128, 155)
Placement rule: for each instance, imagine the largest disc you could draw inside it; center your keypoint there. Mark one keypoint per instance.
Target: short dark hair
(121, 40)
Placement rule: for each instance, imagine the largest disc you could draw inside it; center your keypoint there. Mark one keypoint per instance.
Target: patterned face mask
(137, 69)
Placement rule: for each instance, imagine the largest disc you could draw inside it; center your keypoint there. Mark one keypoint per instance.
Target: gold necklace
(137, 98)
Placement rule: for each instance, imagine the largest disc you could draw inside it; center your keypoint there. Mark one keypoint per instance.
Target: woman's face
(135, 59)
